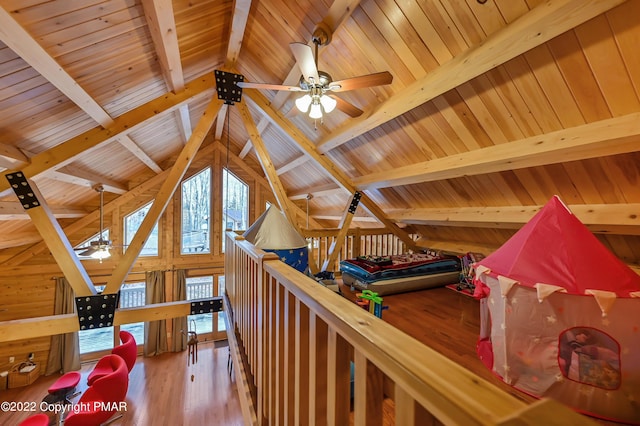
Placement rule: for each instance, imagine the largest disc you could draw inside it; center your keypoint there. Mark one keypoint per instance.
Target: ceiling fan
(97, 249)
(318, 85)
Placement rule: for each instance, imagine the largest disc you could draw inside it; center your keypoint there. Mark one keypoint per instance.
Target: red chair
(128, 350)
(36, 420)
(62, 389)
(102, 368)
(102, 399)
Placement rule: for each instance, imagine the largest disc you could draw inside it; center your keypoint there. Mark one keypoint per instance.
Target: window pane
(200, 288)
(131, 224)
(235, 203)
(132, 296)
(196, 202)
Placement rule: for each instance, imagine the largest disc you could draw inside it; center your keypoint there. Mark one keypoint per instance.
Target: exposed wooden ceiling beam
(538, 26)
(336, 216)
(11, 157)
(169, 185)
(162, 27)
(292, 164)
(66, 152)
(458, 247)
(236, 34)
(80, 177)
(21, 42)
(12, 210)
(602, 138)
(319, 191)
(599, 218)
(133, 148)
(220, 122)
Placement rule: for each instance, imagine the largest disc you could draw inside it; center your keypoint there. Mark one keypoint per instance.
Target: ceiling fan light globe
(316, 111)
(101, 253)
(328, 103)
(303, 103)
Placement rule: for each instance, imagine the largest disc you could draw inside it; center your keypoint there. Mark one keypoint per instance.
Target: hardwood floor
(163, 390)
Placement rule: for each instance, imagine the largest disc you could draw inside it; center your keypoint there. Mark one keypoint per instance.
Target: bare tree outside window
(196, 213)
(235, 203)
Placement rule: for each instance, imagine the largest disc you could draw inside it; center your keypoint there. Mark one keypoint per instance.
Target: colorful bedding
(399, 273)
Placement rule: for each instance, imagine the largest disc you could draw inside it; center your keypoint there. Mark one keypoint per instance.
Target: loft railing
(357, 242)
(301, 352)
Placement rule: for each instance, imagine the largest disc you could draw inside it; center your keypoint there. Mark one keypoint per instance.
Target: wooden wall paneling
(20, 350)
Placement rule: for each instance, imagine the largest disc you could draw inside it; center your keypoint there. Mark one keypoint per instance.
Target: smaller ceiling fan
(97, 249)
(318, 85)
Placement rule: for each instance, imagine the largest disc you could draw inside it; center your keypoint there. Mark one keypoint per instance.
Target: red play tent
(560, 317)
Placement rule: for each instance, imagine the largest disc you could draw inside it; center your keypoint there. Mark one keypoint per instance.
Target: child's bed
(400, 273)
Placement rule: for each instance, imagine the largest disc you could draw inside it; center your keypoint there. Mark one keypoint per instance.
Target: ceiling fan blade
(369, 80)
(304, 57)
(88, 252)
(267, 86)
(346, 107)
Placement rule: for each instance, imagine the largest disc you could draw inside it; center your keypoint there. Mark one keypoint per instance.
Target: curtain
(64, 352)
(155, 332)
(180, 324)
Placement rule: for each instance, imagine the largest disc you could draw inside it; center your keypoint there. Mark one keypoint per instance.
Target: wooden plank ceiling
(493, 109)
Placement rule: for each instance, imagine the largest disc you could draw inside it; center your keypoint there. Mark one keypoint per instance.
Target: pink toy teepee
(560, 317)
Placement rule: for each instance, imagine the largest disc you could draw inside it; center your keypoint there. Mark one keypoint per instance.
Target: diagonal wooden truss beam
(309, 149)
(345, 224)
(175, 175)
(540, 25)
(12, 210)
(54, 237)
(267, 165)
